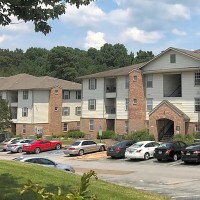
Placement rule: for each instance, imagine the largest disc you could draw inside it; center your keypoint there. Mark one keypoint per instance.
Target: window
(134, 101)
(197, 78)
(66, 94)
(78, 94)
(56, 91)
(91, 125)
(24, 112)
(197, 128)
(177, 128)
(126, 104)
(24, 128)
(197, 105)
(92, 84)
(78, 126)
(25, 94)
(126, 82)
(149, 82)
(56, 108)
(66, 111)
(172, 58)
(92, 104)
(126, 126)
(135, 78)
(78, 110)
(149, 104)
(65, 127)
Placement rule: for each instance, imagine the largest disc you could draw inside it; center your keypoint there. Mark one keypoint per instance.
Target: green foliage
(5, 115)
(142, 135)
(197, 135)
(38, 11)
(107, 135)
(76, 134)
(188, 139)
(78, 194)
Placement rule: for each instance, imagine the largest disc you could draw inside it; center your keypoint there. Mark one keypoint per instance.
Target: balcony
(110, 91)
(110, 110)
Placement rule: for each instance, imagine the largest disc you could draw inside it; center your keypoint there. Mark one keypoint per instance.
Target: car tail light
(71, 149)
(196, 152)
(168, 151)
(138, 151)
(117, 149)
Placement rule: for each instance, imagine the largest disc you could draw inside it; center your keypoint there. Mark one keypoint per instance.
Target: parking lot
(174, 179)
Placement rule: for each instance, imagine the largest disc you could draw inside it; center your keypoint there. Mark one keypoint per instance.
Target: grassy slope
(14, 175)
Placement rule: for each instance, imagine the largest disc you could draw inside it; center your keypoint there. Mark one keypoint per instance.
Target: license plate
(160, 152)
(188, 153)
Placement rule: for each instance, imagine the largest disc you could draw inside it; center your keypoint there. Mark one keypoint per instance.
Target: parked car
(191, 154)
(45, 162)
(17, 145)
(117, 150)
(84, 146)
(8, 141)
(141, 150)
(169, 150)
(37, 146)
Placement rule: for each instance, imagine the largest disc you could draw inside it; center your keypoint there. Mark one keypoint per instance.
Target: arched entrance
(165, 128)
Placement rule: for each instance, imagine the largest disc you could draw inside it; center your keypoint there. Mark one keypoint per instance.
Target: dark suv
(169, 151)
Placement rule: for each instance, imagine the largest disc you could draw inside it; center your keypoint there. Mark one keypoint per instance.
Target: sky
(147, 25)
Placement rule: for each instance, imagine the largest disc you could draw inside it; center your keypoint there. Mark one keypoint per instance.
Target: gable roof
(26, 81)
(193, 54)
(173, 107)
(122, 71)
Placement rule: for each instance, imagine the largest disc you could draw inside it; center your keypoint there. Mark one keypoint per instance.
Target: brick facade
(136, 114)
(92, 134)
(120, 126)
(165, 112)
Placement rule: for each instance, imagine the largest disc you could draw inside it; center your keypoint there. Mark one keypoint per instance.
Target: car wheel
(175, 157)
(186, 162)
(113, 157)
(102, 148)
(81, 152)
(58, 146)
(37, 150)
(159, 159)
(146, 156)
(19, 150)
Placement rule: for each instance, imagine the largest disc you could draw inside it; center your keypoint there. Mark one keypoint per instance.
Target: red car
(41, 145)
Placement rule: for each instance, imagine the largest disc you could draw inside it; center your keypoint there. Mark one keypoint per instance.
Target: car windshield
(76, 143)
(7, 140)
(118, 144)
(137, 145)
(165, 145)
(32, 142)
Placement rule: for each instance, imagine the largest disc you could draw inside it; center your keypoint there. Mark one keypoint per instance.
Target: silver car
(16, 146)
(45, 162)
(84, 146)
(8, 141)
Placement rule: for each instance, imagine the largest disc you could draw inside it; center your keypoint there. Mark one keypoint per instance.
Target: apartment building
(42, 104)
(162, 95)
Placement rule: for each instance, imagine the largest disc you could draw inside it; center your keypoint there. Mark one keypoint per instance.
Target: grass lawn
(13, 175)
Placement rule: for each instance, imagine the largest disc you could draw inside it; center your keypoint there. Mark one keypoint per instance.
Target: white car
(141, 150)
(8, 141)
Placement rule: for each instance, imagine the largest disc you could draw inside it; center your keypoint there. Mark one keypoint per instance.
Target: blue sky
(148, 25)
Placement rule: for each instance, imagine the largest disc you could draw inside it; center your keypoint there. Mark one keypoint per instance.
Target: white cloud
(85, 15)
(175, 31)
(141, 36)
(95, 40)
(2, 38)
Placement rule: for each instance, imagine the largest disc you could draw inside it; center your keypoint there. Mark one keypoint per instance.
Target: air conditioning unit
(38, 130)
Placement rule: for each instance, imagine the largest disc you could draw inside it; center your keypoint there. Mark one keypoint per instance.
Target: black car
(117, 150)
(169, 150)
(191, 154)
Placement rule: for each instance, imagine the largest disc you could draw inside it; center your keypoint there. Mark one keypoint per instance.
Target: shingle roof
(194, 54)
(122, 71)
(26, 81)
(173, 107)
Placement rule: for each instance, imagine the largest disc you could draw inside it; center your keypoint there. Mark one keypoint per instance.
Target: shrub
(188, 139)
(76, 134)
(197, 135)
(142, 135)
(107, 135)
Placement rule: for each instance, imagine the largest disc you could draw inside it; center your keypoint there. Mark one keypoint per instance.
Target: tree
(36, 11)
(5, 115)
(143, 56)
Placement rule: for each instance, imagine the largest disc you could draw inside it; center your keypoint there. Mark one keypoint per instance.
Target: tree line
(68, 63)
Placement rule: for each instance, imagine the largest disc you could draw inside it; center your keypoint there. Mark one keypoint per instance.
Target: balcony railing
(110, 110)
(110, 88)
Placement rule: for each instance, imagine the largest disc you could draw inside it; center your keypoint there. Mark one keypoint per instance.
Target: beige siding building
(42, 104)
